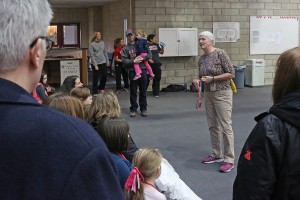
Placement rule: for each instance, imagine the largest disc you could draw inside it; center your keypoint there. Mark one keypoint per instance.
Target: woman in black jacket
(269, 164)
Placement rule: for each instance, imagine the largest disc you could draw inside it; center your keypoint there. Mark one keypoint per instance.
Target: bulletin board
(226, 31)
(273, 34)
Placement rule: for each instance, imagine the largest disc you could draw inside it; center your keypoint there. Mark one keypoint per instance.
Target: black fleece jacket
(269, 164)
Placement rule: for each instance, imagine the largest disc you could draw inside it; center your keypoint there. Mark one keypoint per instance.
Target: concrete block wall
(155, 14)
(113, 21)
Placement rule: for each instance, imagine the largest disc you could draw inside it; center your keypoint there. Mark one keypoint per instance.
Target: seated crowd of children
(141, 172)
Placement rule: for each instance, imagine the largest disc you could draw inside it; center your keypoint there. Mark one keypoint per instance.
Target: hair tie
(133, 178)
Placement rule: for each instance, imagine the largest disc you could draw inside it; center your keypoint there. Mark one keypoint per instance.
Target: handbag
(233, 87)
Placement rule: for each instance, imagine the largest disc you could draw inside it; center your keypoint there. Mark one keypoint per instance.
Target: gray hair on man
(21, 22)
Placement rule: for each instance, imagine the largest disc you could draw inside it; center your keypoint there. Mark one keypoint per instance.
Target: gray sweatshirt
(128, 55)
(97, 52)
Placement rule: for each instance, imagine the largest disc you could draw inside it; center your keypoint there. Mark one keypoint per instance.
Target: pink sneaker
(151, 76)
(226, 167)
(211, 159)
(137, 77)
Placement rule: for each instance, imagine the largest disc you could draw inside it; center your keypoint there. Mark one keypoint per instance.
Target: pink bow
(133, 178)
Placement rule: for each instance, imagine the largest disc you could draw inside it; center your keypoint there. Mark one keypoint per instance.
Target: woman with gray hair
(215, 72)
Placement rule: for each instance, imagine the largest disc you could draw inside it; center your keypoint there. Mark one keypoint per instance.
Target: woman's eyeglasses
(49, 42)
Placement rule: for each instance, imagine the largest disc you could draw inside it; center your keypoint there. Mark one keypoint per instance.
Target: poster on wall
(273, 34)
(226, 31)
(69, 68)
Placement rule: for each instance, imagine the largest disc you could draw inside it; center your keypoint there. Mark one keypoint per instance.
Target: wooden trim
(84, 67)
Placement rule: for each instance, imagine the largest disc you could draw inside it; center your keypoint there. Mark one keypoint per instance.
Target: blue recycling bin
(239, 79)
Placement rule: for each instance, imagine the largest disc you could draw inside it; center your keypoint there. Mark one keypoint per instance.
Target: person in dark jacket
(44, 154)
(269, 164)
(155, 49)
(115, 131)
(69, 83)
(129, 58)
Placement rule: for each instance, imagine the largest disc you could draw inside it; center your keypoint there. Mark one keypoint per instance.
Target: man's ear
(35, 53)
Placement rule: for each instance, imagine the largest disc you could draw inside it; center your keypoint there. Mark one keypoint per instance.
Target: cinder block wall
(151, 15)
(155, 14)
(113, 21)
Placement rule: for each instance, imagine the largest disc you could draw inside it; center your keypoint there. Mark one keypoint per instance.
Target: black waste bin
(239, 79)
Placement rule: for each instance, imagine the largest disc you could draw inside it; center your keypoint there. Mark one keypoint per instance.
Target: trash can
(239, 79)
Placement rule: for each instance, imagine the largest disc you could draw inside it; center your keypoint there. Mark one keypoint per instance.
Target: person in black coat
(155, 49)
(269, 163)
(44, 154)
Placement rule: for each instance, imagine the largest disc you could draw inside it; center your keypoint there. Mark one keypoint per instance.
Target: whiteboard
(273, 34)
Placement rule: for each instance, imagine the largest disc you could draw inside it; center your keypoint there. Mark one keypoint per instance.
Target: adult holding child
(129, 58)
(215, 72)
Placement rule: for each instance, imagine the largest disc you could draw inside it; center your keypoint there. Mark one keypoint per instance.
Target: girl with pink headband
(141, 181)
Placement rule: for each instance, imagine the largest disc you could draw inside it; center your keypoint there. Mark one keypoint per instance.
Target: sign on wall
(226, 31)
(273, 34)
(69, 68)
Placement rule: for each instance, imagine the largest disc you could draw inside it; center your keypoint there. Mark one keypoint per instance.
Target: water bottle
(162, 44)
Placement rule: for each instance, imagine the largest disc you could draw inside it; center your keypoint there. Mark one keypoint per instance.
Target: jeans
(99, 74)
(120, 70)
(140, 84)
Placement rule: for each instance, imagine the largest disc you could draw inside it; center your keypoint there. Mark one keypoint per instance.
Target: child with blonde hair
(85, 97)
(83, 94)
(106, 104)
(142, 51)
(140, 184)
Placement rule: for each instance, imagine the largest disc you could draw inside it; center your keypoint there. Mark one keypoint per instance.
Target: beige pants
(218, 106)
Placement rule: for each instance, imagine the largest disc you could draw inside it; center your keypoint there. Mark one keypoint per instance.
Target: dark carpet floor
(180, 132)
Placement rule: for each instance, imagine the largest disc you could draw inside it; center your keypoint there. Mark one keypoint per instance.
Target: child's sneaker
(226, 167)
(151, 76)
(137, 77)
(211, 159)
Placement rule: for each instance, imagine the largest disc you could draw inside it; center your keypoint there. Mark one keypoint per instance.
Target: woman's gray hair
(209, 35)
(21, 22)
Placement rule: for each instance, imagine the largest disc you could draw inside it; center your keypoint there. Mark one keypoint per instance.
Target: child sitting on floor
(141, 181)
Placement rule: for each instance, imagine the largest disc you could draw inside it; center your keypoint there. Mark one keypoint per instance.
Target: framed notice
(69, 68)
(226, 31)
(273, 34)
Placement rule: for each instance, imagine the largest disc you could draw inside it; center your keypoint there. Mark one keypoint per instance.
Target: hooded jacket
(269, 164)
